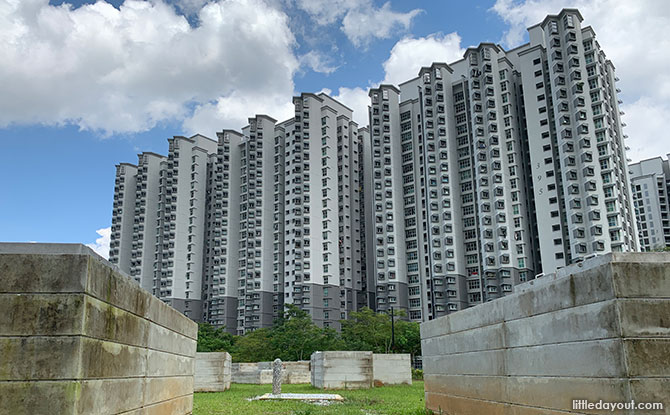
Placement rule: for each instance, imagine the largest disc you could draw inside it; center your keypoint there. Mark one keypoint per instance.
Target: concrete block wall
(599, 330)
(296, 372)
(391, 369)
(250, 373)
(261, 372)
(342, 370)
(213, 372)
(79, 337)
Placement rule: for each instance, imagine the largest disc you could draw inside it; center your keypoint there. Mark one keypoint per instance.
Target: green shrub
(417, 374)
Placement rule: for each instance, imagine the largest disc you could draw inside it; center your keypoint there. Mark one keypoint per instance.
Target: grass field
(387, 400)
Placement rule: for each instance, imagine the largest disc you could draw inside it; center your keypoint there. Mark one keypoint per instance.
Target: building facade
(582, 195)
(650, 182)
(229, 231)
(472, 177)
(495, 168)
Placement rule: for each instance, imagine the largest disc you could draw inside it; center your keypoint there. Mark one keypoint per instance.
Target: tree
(367, 330)
(296, 337)
(211, 339)
(408, 337)
(255, 346)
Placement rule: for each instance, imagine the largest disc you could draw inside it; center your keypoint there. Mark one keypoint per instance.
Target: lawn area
(387, 400)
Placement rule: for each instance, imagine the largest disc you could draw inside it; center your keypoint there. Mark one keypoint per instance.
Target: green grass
(387, 400)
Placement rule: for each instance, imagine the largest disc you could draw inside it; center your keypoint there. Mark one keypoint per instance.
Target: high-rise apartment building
(471, 178)
(579, 170)
(496, 167)
(220, 290)
(322, 257)
(650, 182)
(451, 225)
(229, 231)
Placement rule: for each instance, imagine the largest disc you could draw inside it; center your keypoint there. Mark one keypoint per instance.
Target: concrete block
(212, 372)
(45, 397)
(105, 321)
(40, 314)
(104, 359)
(342, 370)
(651, 390)
(391, 369)
(486, 362)
(595, 330)
(651, 279)
(251, 373)
(580, 323)
(559, 392)
(296, 372)
(38, 273)
(79, 337)
(644, 317)
(589, 286)
(40, 358)
(477, 339)
(647, 357)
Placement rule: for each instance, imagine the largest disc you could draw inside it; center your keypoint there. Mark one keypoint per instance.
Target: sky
(86, 85)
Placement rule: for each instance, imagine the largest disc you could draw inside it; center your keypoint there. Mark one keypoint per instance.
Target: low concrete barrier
(296, 372)
(391, 369)
(260, 373)
(250, 373)
(342, 370)
(212, 372)
(594, 331)
(79, 337)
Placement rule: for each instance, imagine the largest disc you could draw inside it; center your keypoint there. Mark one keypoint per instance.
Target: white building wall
(121, 237)
(147, 196)
(650, 181)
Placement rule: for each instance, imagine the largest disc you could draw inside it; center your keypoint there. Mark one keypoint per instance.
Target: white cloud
(405, 60)
(318, 62)
(364, 25)
(633, 35)
(128, 69)
(362, 21)
(409, 55)
(358, 100)
(101, 244)
(234, 110)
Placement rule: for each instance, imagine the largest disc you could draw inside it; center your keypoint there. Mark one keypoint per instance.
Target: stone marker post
(276, 376)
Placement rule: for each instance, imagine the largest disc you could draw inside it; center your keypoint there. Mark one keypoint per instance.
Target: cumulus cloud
(409, 55)
(128, 69)
(233, 111)
(318, 62)
(633, 35)
(364, 25)
(358, 100)
(362, 21)
(405, 60)
(101, 244)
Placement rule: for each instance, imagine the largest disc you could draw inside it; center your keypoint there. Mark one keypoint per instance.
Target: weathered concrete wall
(261, 372)
(212, 372)
(79, 337)
(599, 331)
(250, 373)
(391, 369)
(342, 370)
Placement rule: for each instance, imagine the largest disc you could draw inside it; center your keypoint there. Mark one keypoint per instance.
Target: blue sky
(85, 86)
